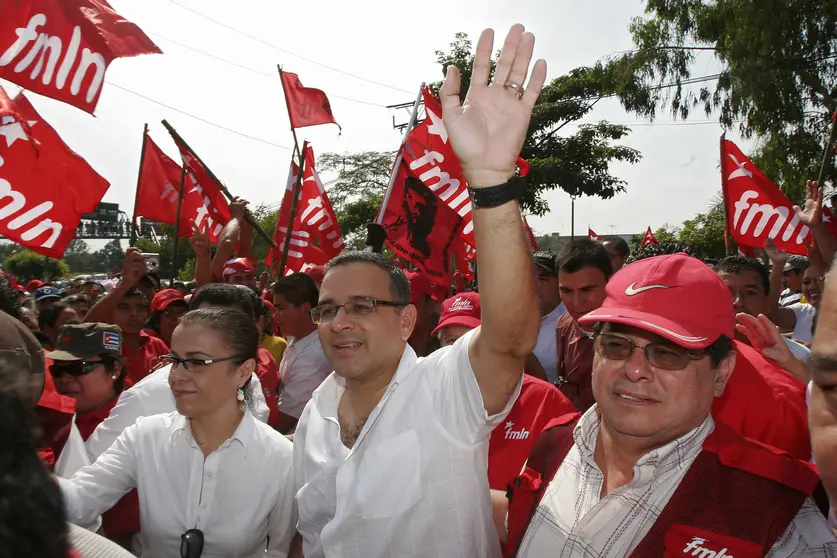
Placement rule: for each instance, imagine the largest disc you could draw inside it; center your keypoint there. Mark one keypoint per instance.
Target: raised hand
(777, 257)
(133, 267)
(487, 132)
(811, 215)
(764, 336)
(200, 240)
(238, 208)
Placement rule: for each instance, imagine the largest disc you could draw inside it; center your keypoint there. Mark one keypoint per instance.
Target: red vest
(738, 494)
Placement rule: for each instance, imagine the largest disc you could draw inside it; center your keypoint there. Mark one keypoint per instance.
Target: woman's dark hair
(110, 365)
(237, 329)
(227, 296)
(32, 521)
(584, 253)
(49, 315)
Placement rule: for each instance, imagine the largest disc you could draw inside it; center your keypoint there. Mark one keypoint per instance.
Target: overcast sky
(389, 47)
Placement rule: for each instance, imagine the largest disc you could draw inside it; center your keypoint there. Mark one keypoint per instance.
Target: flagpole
(177, 222)
(133, 239)
(727, 243)
(247, 217)
(294, 200)
(413, 117)
(826, 156)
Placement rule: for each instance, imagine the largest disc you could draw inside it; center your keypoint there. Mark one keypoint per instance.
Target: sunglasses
(76, 368)
(659, 355)
(191, 544)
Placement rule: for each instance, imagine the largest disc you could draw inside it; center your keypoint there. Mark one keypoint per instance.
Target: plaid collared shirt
(573, 520)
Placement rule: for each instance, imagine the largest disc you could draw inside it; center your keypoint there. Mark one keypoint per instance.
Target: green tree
(666, 233)
(778, 78)
(705, 231)
(26, 265)
(110, 256)
(578, 163)
(78, 257)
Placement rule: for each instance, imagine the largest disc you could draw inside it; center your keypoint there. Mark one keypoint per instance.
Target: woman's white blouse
(240, 495)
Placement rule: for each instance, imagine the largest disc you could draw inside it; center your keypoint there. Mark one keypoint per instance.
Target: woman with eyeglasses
(210, 470)
(87, 366)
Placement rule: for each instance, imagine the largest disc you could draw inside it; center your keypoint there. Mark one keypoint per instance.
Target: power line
(273, 77)
(285, 51)
(204, 120)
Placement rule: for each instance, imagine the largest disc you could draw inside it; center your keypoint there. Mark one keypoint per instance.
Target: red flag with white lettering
(307, 106)
(203, 200)
(159, 186)
(649, 238)
(756, 208)
(420, 229)
(62, 49)
(592, 235)
(46, 187)
(315, 235)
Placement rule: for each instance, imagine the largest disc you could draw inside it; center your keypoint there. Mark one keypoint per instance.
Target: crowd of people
(590, 403)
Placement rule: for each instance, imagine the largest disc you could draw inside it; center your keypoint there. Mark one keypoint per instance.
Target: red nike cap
(678, 297)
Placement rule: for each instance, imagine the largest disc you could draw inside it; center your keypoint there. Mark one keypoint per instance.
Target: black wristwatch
(497, 195)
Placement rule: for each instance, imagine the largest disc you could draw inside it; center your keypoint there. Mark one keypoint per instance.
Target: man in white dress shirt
(304, 365)
(391, 452)
(552, 308)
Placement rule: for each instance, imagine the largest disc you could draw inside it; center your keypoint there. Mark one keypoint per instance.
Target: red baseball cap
(678, 297)
(461, 309)
(317, 273)
(238, 265)
(421, 285)
(165, 297)
(33, 285)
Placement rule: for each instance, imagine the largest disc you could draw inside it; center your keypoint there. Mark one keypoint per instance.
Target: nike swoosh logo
(633, 290)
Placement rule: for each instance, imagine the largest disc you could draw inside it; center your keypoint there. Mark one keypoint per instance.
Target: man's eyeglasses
(659, 355)
(194, 364)
(191, 544)
(358, 307)
(75, 368)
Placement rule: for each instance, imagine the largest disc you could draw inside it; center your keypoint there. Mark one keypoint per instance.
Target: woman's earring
(115, 376)
(240, 395)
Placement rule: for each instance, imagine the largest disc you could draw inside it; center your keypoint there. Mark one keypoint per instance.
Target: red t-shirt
(511, 441)
(765, 403)
(268, 374)
(139, 364)
(124, 517)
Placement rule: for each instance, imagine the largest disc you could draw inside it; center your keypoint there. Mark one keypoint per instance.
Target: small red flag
(592, 235)
(315, 235)
(203, 199)
(63, 49)
(648, 239)
(307, 106)
(47, 187)
(530, 235)
(159, 186)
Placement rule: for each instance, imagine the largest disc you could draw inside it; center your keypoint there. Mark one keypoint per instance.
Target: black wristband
(494, 196)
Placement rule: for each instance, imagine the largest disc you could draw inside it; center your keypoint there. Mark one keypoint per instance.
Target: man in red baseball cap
(240, 271)
(425, 295)
(647, 471)
(167, 307)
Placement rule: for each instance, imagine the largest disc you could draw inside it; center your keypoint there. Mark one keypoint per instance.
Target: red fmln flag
(530, 235)
(45, 187)
(307, 106)
(648, 239)
(159, 186)
(419, 228)
(592, 235)
(315, 235)
(756, 208)
(203, 200)
(62, 49)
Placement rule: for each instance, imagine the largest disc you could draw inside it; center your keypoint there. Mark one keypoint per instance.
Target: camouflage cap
(81, 341)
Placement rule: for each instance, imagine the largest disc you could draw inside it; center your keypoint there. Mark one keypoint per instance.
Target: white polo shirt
(151, 396)
(546, 349)
(415, 483)
(303, 368)
(239, 495)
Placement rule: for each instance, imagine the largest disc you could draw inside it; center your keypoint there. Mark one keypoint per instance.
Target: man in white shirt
(797, 318)
(647, 471)
(391, 452)
(546, 276)
(304, 365)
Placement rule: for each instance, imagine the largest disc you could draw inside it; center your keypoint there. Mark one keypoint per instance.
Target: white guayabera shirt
(239, 495)
(415, 484)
